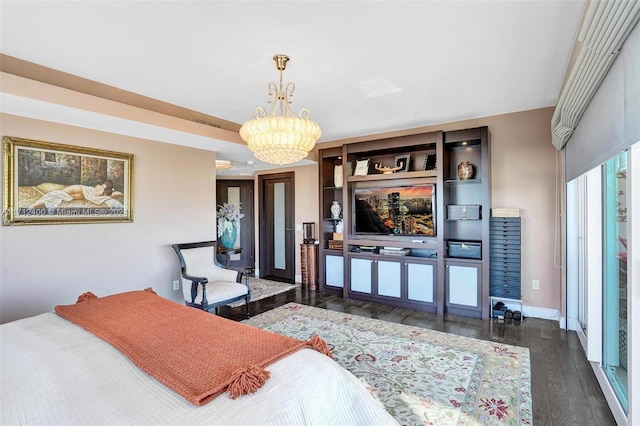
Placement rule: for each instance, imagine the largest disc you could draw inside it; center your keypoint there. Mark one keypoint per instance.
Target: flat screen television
(398, 210)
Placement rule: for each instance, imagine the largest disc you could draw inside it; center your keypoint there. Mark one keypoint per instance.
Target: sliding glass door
(600, 211)
(614, 253)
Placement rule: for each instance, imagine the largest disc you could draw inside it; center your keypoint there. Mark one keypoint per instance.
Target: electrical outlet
(535, 284)
(176, 285)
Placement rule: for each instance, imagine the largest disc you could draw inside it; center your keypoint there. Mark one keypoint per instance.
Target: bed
(56, 372)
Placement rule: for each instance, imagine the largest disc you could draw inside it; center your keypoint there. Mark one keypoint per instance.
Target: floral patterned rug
(261, 289)
(421, 376)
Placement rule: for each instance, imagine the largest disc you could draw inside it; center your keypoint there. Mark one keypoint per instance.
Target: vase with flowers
(229, 224)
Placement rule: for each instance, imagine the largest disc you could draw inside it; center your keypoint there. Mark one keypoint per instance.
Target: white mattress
(54, 372)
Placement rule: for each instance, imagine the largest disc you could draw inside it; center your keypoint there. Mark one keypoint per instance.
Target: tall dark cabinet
(428, 251)
(467, 198)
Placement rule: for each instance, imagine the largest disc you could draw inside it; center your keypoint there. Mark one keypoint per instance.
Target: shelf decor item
(335, 210)
(386, 170)
(465, 170)
(403, 161)
(337, 176)
(362, 168)
(430, 161)
(229, 224)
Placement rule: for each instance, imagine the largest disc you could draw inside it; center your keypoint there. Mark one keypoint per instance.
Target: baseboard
(570, 324)
(542, 313)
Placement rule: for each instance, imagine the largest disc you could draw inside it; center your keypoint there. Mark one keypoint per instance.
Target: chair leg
(246, 304)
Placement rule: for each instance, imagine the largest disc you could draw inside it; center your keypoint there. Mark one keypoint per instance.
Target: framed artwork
(362, 168)
(49, 183)
(430, 161)
(404, 162)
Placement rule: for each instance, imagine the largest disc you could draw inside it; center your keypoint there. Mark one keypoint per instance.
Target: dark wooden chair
(206, 284)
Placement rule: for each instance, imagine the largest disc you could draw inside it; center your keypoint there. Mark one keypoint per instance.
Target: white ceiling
(360, 67)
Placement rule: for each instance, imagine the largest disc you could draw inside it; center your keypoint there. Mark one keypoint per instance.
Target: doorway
(277, 238)
(239, 192)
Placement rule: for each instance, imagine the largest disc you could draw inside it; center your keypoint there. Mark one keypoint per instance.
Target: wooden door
(234, 192)
(277, 238)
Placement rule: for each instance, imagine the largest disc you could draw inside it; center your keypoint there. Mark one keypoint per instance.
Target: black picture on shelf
(403, 161)
(430, 161)
(400, 210)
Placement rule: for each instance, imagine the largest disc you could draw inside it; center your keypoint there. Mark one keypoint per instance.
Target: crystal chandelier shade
(280, 137)
(224, 164)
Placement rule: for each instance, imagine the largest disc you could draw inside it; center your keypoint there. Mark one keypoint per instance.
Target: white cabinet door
(334, 270)
(420, 283)
(389, 278)
(361, 275)
(463, 285)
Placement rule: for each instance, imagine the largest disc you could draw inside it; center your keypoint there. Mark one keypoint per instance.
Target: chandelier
(224, 164)
(280, 137)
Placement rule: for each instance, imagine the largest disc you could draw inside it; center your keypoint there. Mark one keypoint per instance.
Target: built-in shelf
(331, 251)
(402, 175)
(393, 243)
(463, 182)
(455, 285)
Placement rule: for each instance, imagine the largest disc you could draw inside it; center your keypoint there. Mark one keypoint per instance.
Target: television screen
(400, 210)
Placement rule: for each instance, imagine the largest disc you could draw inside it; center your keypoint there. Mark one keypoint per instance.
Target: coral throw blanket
(196, 354)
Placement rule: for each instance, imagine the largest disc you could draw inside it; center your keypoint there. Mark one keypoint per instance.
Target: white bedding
(54, 372)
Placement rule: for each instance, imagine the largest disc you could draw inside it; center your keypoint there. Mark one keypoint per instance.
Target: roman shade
(611, 122)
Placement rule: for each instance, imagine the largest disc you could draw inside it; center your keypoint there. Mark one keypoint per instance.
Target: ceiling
(360, 67)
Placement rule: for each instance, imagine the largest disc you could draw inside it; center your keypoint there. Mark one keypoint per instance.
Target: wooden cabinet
(463, 294)
(455, 213)
(467, 207)
(396, 280)
(331, 273)
(377, 277)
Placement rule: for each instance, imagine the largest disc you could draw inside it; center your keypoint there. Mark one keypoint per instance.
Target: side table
(228, 253)
(309, 265)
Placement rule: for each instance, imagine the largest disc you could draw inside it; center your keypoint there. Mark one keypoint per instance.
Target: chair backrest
(199, 261)
(195, 259)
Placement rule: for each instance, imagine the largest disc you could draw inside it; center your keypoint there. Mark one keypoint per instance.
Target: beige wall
(173, 200)
(523, 176)
(42, 266)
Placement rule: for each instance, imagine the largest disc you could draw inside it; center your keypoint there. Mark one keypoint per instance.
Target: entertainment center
(413, 229)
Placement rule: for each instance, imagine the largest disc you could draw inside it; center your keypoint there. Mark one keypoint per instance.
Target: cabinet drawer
(502, 251)
(499, 219)
(507, 238)
(504, 267)
(506, 293)
(504, 275)
(504, 281)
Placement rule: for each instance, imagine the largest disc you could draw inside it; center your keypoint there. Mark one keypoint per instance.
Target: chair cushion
(217, 291)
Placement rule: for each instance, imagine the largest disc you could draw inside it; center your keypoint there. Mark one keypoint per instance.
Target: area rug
(421, 376)
(261, 289)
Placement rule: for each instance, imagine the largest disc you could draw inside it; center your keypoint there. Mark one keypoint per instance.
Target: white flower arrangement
(228, 216)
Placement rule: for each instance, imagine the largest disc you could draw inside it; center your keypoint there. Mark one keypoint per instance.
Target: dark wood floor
(564, 387)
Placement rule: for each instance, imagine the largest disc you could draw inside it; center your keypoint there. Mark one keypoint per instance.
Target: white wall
(173, 202)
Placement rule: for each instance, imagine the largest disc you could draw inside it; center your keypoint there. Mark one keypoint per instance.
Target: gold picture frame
(48, 183)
